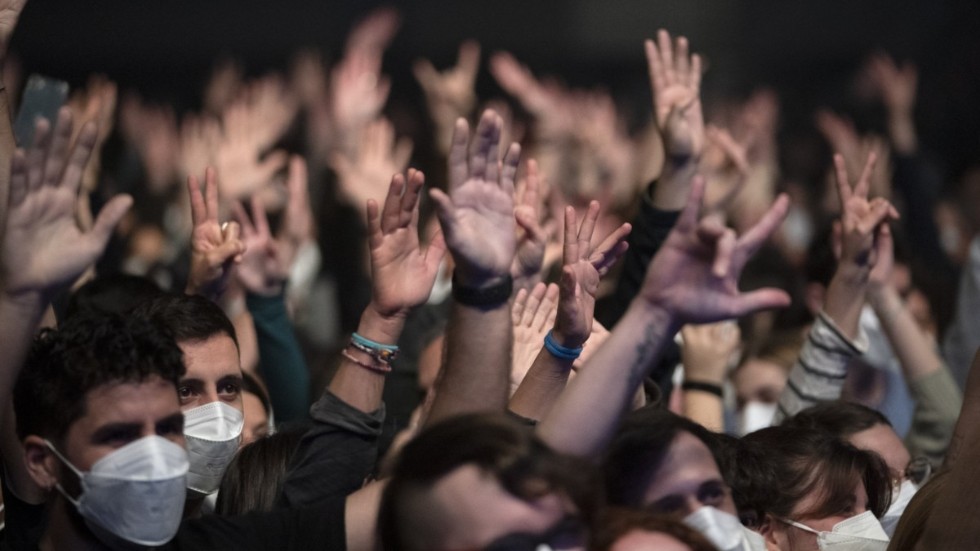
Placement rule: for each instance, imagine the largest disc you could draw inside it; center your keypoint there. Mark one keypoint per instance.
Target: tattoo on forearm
(646, 351)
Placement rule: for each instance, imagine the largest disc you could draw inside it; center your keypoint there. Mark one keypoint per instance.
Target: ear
(768, 530)
(41, 463)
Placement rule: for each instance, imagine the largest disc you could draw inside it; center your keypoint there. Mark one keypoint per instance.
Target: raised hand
(240, 156)
(214, 247)
(675, 77)
(9, 14)
(583, 266)
(264, 268)
(358, 91)
(532, 237)
(726, 160)
(402, 274)
(298, 225)
(896, 84)
(862, 220)
(450, 94)
(477, 215)
(694, 276)
(365, 174)
(547, 101)
(533, 315)
(43, 248)
(707, 350)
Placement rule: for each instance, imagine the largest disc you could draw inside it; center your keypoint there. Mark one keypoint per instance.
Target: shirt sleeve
(938, 400)
(819, 372)
(281, 361)
(335, 456)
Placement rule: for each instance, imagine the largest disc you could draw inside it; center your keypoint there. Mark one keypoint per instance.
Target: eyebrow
(113, 431)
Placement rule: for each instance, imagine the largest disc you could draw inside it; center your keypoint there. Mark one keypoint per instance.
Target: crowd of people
(560, 334)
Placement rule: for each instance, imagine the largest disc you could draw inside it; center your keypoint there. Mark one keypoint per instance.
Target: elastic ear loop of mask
(64, 460)
(797, 525)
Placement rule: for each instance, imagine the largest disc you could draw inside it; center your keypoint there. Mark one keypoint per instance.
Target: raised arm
(43, 252)
(582, 266)
(339, 451)
(215, 247)
(9, 14)
(477, 217)
(938, 398)
(835, 337)
(693, 279)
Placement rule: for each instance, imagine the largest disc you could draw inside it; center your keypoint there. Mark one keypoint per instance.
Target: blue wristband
(371, 344)
(559, 351)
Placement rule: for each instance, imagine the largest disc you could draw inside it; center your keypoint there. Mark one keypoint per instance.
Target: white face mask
(136, 493)
(755, 416)
(213, 432)
(900, 500)
(724, 530)
(859, 533)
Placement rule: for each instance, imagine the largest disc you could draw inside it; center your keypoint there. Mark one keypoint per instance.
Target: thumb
(109, 217)
(762, 299)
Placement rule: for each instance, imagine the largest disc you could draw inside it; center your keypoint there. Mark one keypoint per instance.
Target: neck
(66, 529)
(192, 505)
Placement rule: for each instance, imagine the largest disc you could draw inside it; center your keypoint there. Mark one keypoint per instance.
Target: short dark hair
(617, 522)
(116, 293)
(188, 317)
(89, 350)
(638, 449)
(777, 467)
(255, 476)
(498, 445)
(839, 418)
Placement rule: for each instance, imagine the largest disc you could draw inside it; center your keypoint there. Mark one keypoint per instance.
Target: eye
(185, 392)
(229, 389)
(668, 504)
(712, 493)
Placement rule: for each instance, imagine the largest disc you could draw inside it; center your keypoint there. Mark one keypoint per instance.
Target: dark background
(808, 51)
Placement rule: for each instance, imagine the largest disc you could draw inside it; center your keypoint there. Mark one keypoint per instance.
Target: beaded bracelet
(559, 351)
(377, 367)
(386, 353)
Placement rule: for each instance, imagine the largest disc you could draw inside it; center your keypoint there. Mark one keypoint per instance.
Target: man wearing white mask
(102, 432)
(211, 390)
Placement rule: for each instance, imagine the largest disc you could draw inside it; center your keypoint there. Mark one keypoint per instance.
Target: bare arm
(583, 266)
(43, 252)
(692, 279)
(477, 217)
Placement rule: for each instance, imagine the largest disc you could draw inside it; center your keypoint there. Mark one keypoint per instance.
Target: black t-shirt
(25, 523)
(320, 528)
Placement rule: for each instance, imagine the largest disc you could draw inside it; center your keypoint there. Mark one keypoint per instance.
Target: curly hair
(89, 350)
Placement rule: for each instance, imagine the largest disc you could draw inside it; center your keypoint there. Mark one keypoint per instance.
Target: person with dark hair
(482, 481)
(637, 530)
(808, 488)
(116, 293)
(869, 429)
(211, 390)
(98, 415)
(662, 462)
(254, 478)
(257, 409)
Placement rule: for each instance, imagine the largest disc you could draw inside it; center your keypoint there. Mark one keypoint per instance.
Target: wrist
(851, 274)
(648, 312)
(476, 279)
(567, 340)
(28, 303)
(380, 327)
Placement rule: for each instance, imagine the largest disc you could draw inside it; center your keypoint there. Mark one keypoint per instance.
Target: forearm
(704, 408)
(915, 350)
(585, 416)
(845, 298)
(355, 384)
(541, 387)
(475, 373)
(281, 361)
(19, 318)
(7, 147)
(674, 185)
(901, 131)
(819, 372)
